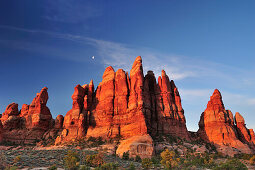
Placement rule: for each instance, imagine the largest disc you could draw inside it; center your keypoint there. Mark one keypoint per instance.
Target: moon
(93, 57)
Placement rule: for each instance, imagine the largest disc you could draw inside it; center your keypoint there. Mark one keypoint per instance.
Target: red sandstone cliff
(216, 125)
(135, 107)
(125, 106)
(28, 125)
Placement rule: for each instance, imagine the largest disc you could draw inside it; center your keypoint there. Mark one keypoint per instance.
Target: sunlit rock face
(28, 125)
(217, 125)
(125, 106)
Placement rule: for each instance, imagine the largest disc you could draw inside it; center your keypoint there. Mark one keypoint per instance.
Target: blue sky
(201, 44)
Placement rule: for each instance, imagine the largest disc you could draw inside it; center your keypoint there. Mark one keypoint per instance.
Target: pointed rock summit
(216, 125)
(127, 107)
(132, 107)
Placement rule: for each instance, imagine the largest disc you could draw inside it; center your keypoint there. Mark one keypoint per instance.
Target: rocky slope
(218, 126)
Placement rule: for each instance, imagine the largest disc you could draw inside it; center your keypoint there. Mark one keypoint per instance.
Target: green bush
(71, 160)
(252, 160)
(11, 168)
(146, 163)
(95, 160)
(138, 158)
(84, 167)
(125, 155)
(108, 166)
(243, 156)
(131, 167)
(155, 160)
(53, 167)
(94, 142)
(233, 164)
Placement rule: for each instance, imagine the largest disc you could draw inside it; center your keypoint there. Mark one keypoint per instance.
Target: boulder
(137, 145)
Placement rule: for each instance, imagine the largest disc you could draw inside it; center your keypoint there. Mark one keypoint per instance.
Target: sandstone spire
(216, 126)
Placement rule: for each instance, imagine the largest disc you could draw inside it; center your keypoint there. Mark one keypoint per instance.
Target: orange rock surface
(163, 109)
(11, 110)
(252, 135)
(32, 122)
(1, 132)
(126, 106)
(216, 126)
(243, 133)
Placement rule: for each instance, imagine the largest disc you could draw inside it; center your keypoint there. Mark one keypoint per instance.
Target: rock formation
(133, 108)
(124, 106)
(137, 145)
(243, 133)
(30, 124)
(1, 132)
(216, 125)
(163, 109)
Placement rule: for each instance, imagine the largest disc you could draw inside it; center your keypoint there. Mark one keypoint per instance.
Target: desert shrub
(138, 158)
(95, 160)
(94, 142)
(125, 155)
(171, 139)
(252, 160)
(71, 160)
(169, 159)
(204, 161)
(84, 167)
(17, 159)
(146, 163)
(232, 164)
(155, 160)
(108, 166)
(131, 167)
(2, 161)
(53, 167)
(11, 168)
(243, 156)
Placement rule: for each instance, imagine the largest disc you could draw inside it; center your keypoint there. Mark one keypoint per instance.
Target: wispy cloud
(204, 73)
(122, 56)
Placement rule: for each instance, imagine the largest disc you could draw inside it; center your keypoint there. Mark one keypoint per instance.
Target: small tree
(138, 158)
(125, 155)
(71, 160)
(169, 159)
(252, 160)
(95, 160)
(146, 163)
